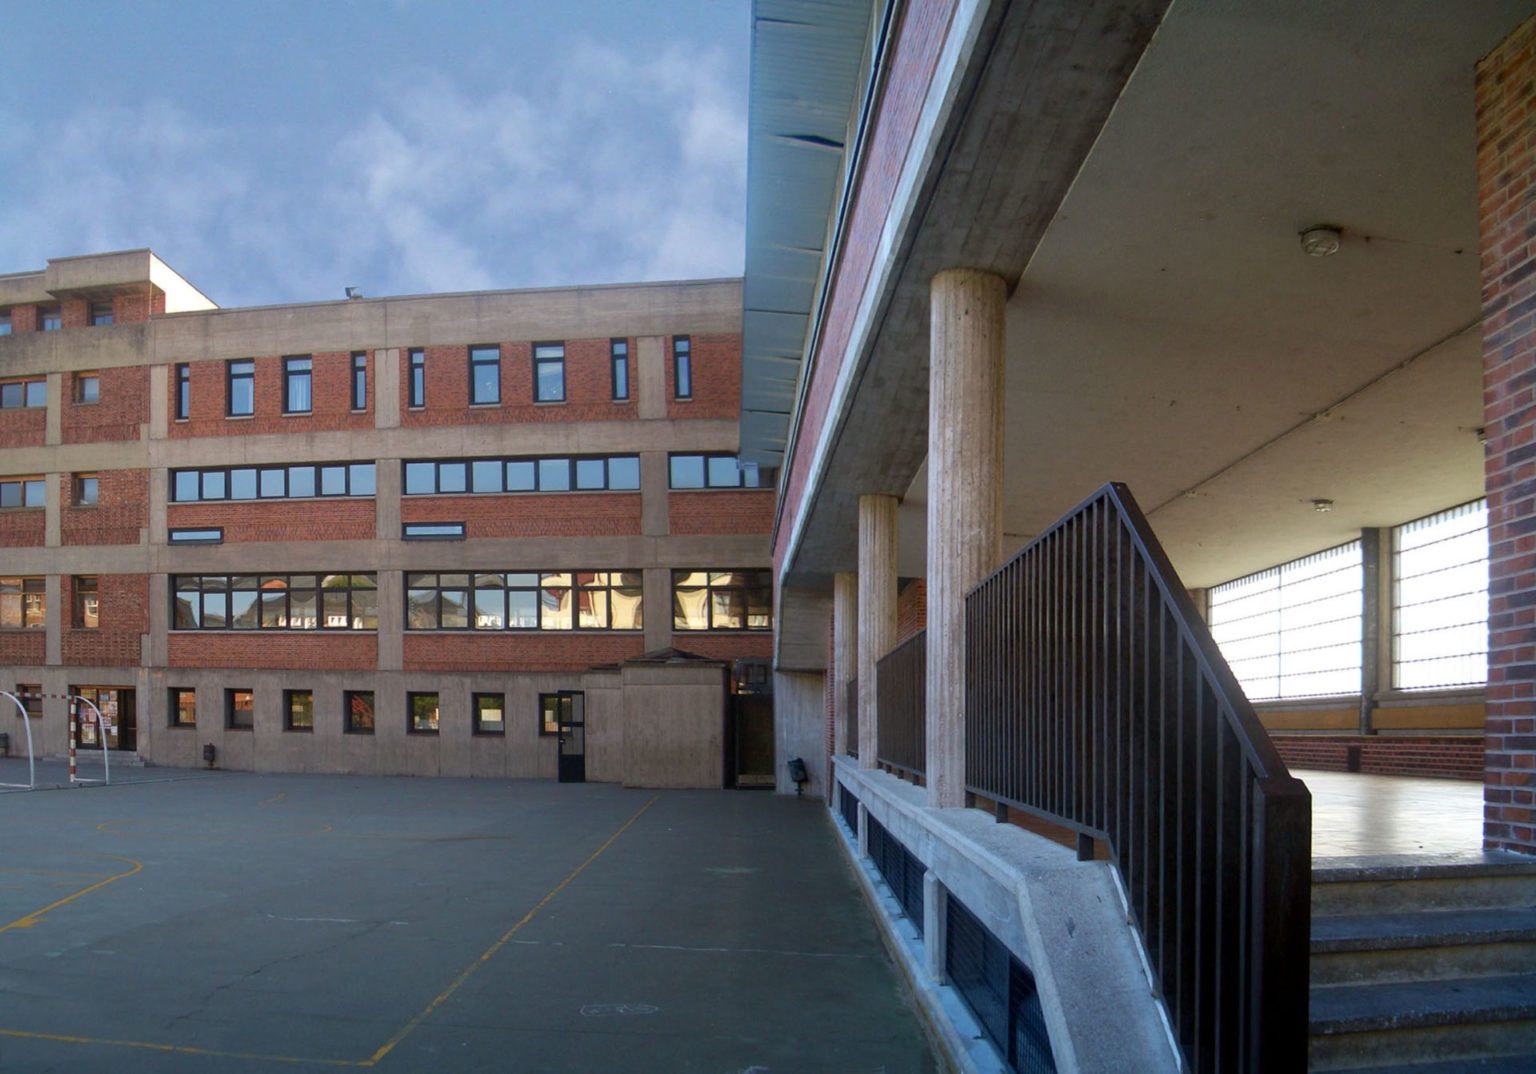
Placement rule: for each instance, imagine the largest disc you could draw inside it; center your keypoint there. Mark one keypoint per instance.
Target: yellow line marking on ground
(490, 952)
(28, 920)
(179, 1049)
(44, 872)
(278, 797)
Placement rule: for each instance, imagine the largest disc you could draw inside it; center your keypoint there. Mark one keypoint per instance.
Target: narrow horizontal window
(302, 481)
(432, 531)
(191, 536)
(611, 473)
(716, 472)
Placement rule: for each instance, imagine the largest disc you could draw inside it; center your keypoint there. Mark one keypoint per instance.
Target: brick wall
(567, 651)
(919, 40)
(720, 512)
(1506, 165)
(588, 387)
(278, 649)
(75, 313)
(716, 370)
(753, 646)
(124, 405)
(1444, 757)
(24, 319)
(281, 520)
(22, 646)
(25, 527)
(23, 427)
(911, 609)
(558, 514)
(121, 511)
(124, 617)
(331, 390)
(133, 309)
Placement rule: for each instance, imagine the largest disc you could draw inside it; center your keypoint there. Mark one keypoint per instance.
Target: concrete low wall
(1064, 919)
(674, 726)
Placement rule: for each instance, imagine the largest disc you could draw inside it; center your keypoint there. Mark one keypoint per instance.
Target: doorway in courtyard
(749, 731)
(118, 709)
(566, 713)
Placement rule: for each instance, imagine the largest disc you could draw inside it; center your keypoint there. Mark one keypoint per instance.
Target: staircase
(1425, 967)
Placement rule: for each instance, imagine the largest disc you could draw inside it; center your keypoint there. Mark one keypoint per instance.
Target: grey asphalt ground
(198, 921)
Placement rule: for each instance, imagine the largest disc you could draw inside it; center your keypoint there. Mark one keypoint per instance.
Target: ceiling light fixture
(1321, 240)
(1322, 506)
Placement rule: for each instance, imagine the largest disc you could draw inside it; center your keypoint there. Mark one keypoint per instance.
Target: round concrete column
(877, 611)
(845, 634)
(965, 497)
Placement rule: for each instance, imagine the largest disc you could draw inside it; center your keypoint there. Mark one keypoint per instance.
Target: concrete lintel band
(877, 610)
(965, 520)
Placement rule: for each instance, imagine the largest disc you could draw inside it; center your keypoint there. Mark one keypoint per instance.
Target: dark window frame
(421, 531)
(764, 476)
(474, 708)
(85, 490)
(549, 359)
(173, 711)
(200, 474)
(31, 696)
(289, 697)
(239, 371)
(230, 709)
(682, 367)
(31, 493)
(350, 724)
(410, 712)
(32, 607)
(764, 584)
(416, 378)
(102, 314)
(545, 730)
(50, 318)
(183, 404)
(30, 393)
(572, 481)
(430, 582)
(486, 355)
(359, 380)
(87, 389)
(83, 587)
(618, 353)
(195, 535)
(268, 585)
(298, 368)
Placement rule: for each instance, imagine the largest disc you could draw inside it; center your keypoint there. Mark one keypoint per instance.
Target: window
(615, 473)
(682, 366)
(298, 710)
(183, 392)
(24, 393)
(87, 387)
(423, 712)
(418, 383)
(87, 490)
(181, 706)
(722, 600)
(1294, 630)
(213, 535)
(619, 349)
(432, 531)
(239, 710)
(87, 610)
(547, 600)
(359, 380)
(490, 714)
(23, 492)
(50, 318)
(359, 706)
(101, 314)
(1440, 599)
(273, 482)
(298, 384)
(31, 697)
(484, 375)
(241, 393)
(5, 322)
(549, 372)
(549, 714)
(23, 604)
(716, 472)
(274, 602)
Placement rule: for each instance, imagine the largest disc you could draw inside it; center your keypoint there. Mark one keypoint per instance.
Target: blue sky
(279, 151)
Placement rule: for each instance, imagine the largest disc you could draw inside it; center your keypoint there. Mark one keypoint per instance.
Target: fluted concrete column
(965, 497)
(845, 653)
(877, 610)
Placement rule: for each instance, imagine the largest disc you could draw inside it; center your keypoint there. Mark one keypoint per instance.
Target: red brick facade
(588, 386)
(119, 515)
(568, 651)
(123, 621)
(559, 514)
(281, 520)
(1439, 756)
(716, 366)
(23, 527)
(746, 646)
(123, 406)
(331, 388)
(321, 651)
(1506, 162)
(911, 609)
(720, 512)
(23, 427)
(22, 646)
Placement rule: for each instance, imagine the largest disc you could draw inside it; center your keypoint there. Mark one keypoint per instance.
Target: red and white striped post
(74, 715)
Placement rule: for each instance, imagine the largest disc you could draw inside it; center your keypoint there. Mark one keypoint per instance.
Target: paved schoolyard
(235, 922)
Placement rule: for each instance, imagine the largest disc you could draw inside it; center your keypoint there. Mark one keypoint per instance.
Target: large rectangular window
(682, 366)
(549, 372)
(360, 380)
(274, 602)
(418, 378)
(490, 714)
(612, 473)
(240, 388)
(23, 492)
(618, 350)
(359, 706)
(1440, 599)
(484, 375)
(298, 710)
(17, 394)
(239, 710)
(716, 472)
(273, 482)
(298, 384)
(545, 600)
(424, 713)
(183, 392)
(181, 706)
(1294, 630)
(23, 604)
(722, 600)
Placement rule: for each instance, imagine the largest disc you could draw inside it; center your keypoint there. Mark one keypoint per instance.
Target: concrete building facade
(383, 535)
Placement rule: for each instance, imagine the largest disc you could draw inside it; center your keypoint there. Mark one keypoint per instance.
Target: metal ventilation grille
(850, 810)
(902, 872)
(999, 990)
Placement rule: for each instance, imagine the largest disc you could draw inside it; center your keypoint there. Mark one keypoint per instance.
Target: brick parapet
(325, 519)
(565, 651)
(123, 621)
(559, 514)
(23, 427)
(716, 368)
(719, 511)
(23, 527)
(331, 392)
(588, 387)
(122, 409)
(119, 515)
(274, 649)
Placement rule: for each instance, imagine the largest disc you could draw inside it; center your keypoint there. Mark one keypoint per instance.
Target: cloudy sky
(278, 151)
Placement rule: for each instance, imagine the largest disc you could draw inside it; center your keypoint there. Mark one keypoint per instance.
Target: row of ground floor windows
(423, 711)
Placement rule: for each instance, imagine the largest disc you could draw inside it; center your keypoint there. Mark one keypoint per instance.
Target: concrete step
(1426, 945)
(1400, 885)
(1362, 1025)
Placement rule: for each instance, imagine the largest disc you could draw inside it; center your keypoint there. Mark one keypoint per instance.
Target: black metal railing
(999, 990)
(851, 714)
(848, 802)
(1096, 698)
(901, 683)
(902, 872)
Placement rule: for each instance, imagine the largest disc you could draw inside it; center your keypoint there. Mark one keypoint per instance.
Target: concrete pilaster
(650, 377)
(877, 611)
(53, 511)
(53, 643)
(386, 388)
(386, 500)
(391, 620)
(656, 602)
(965, 503)
(159, 401)
(845, 634)
(655, 514)
(53, 420)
